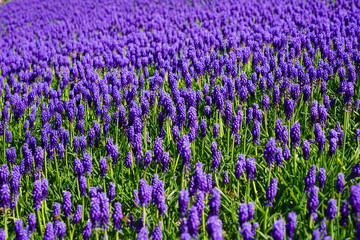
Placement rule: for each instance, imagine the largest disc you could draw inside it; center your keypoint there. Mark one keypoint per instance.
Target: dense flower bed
(179, 119)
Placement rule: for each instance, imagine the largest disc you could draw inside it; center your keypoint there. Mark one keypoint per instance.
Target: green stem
(72, 232)
(232, 150)
(144, 215)
(228, 141)
(346, 122)
(57, 171)
(248, 191)
(266, 129)
(5, 224)
(42, 212)
(203, 223)
(265, 218)
(39, 220)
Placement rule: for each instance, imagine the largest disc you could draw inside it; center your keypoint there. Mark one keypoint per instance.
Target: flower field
(177, 119)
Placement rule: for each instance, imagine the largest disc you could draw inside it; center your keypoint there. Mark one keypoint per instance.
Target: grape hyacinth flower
(240, 165)
(66, 206)
(49, 232)
(104, 210)
(31, 224)
(56, 210)
(157, 233)
(243, 213)
(11, 155)
(95, 212)
(226, 178)
(331, 210)
(117, 216)
(355, 171)
(340, 182)
(354, 199)
(306, 149)
(295, 134)
(2, 234)
(136, 200)
(251, 168)
(256, 132)
(286, 153)
(37, 195)
(111, 191)
(103, 167)
(128, 160)
(278, 230)
(183, 202)
(78, 214)
(279, 156)
(214, 202)
(344, 212)
(271, 191)
(82, 186)
(144, 193)
(143, 234)
(313, 202)
(322, 177)
(310, 178)
(251, 210)
(87, 230)
(203, 125)
(269, 151)
(44, 188)
(215, 130)
(193, 222)
(60, 229)
(20, 232)
(4, 174)
(199, 202)
(291, 224)
(214, 228)
(246, 231)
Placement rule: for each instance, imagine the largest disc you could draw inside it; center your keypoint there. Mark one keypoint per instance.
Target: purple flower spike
(291, 224)
(243, 213)
(354, 198)
(103, 167)
(331, 210)
(216, 130)
(251, 168)
(117, 216)
(37, 195)
(271, 191)
(246, 231)
(344, 211)
(310, 178)
(193, 222)
(240, 165)
(214, 202)
(214, 228)
(157, 233)
(269, 151)
(49, 232)
(87, 230)
(66, 206)
(78, 214)
(295, 134)
(278, 230)
(144, 193)
(313, 202)
(340, 182)
(226, 178)
(322, 177)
